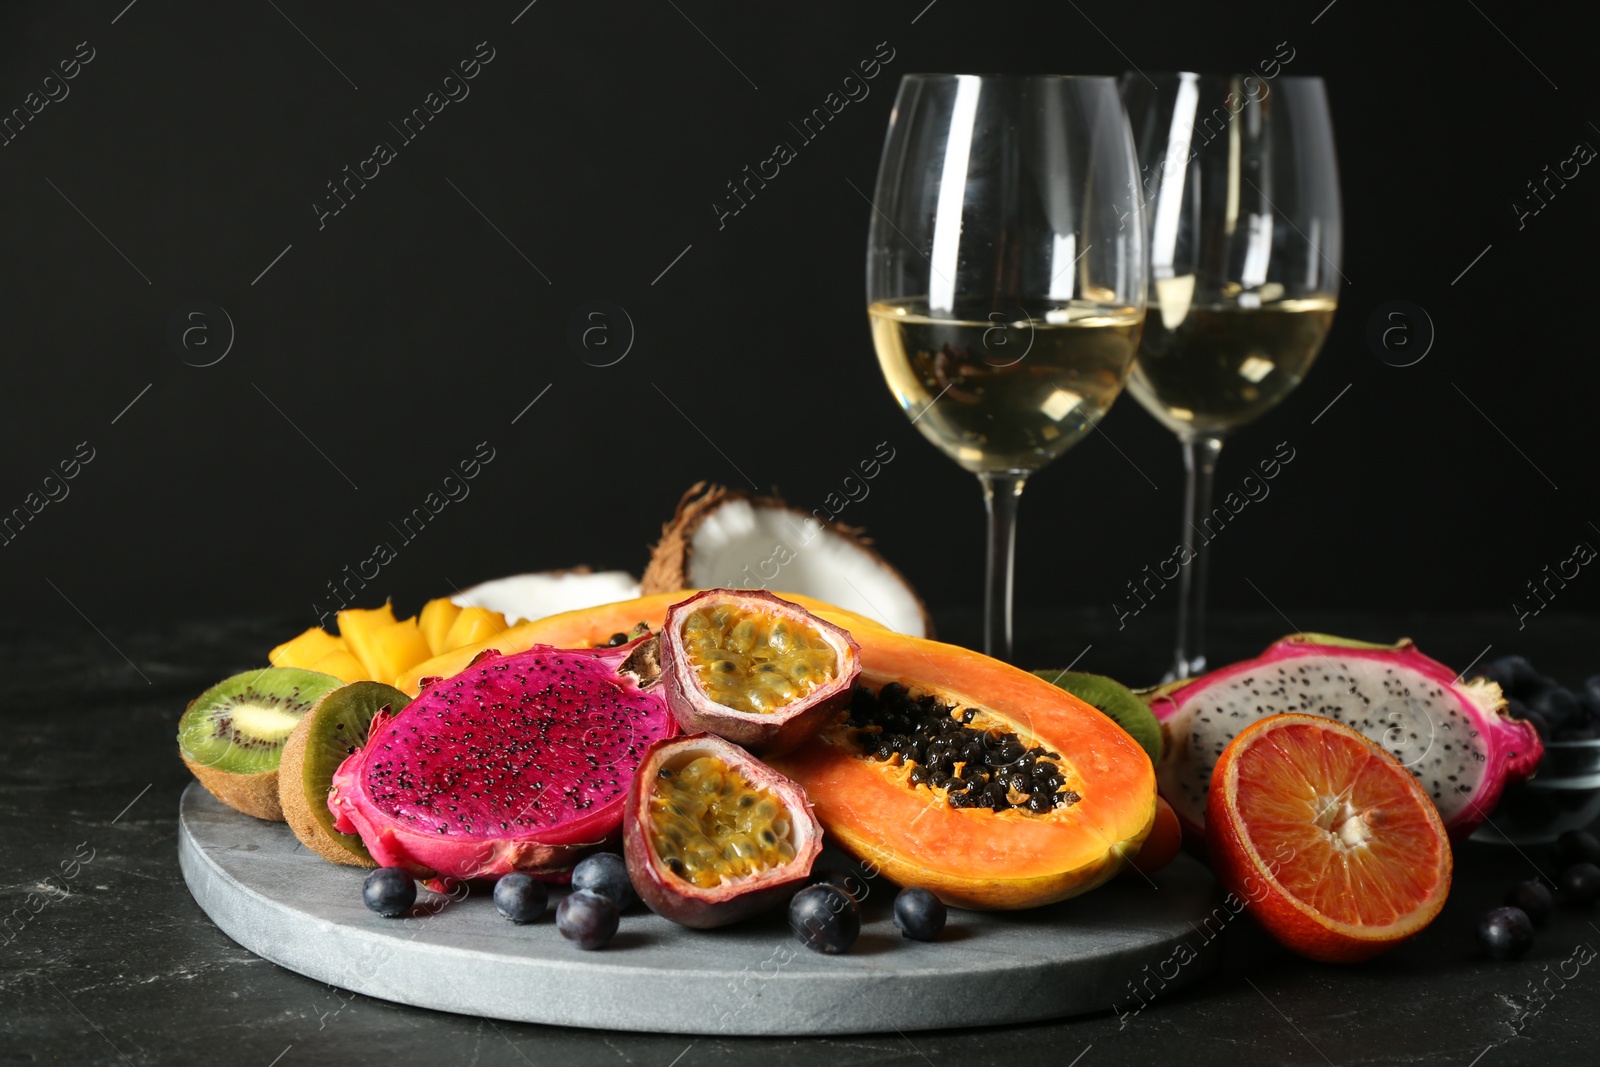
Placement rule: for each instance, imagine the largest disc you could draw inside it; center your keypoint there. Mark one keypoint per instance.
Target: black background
(408, 329)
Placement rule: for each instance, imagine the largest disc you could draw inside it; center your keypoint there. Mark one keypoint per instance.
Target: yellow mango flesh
(343, 666)
(359, 627)
(397, 648)
(305, 650)
(473, 625)
(435, 621)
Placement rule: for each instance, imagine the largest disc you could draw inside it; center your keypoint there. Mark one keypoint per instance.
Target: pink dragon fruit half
(1454, 737)
(518, 763)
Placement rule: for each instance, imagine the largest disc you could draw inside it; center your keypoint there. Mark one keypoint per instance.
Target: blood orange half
(1326, 839)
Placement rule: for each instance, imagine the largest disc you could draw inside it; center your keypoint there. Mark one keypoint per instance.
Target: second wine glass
(1005, 278)
(1242, 208)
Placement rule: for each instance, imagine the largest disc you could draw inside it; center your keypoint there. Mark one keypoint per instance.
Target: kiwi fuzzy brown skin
(253, 794)
(296, 805)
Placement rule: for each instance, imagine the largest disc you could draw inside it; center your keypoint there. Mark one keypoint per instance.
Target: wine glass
(1241, 192)
(1005, 278)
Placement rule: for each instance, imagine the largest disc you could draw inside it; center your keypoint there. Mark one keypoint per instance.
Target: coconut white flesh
(740, 546)
(526, 597)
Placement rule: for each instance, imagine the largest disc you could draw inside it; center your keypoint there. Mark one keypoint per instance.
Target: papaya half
(893, 807)
(588, 627)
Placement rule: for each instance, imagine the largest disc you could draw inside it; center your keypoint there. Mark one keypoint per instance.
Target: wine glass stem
(1200, 465)
(1001, 492)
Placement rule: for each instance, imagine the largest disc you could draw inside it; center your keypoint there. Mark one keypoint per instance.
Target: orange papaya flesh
(588, 627)
(976, 857)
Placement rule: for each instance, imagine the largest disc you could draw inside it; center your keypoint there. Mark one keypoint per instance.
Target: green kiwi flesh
(338, 726)
(239, 725)
(1114, 700)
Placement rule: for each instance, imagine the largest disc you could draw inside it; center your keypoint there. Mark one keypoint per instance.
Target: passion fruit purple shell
(765, 732)
(676, 898)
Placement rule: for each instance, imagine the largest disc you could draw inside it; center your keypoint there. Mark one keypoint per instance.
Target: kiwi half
(231, 736)
(1114, 700)
(329, 732)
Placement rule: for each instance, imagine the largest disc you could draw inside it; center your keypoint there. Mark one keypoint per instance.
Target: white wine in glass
(1006, 278)
(1242, 208)
(1008, 393)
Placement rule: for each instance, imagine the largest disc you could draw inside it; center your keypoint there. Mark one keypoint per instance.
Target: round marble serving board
(283, 902)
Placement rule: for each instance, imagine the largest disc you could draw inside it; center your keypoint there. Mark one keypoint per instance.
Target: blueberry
(389, 891)
(1514, 673)
(824, 918)
(617, 639)
(607, 874)
(1591, 696)
(1557, 705)
(520, 897)
(845, 880)
(919, 914)
(1505, 933)
(1534, 898)
(1577, 846)
(586, 918)
(1581, 883)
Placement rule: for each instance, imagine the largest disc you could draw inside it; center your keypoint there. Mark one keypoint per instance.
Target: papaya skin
(977, 858)
(587, 627)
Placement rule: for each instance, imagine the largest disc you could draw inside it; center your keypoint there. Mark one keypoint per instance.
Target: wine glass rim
(936, 76)
(1223, 74)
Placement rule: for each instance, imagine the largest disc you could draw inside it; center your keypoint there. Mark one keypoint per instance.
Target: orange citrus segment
(1330, 841)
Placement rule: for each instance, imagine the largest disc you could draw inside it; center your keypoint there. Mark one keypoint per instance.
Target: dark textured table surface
(120, 967)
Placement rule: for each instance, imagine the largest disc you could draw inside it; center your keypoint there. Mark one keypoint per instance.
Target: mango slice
(343, 666)
(472, 626)
(435, 621)
(359, 628)
(306, 649)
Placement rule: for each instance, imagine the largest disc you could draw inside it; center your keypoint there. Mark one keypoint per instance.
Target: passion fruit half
(712, 835)
(755, 669)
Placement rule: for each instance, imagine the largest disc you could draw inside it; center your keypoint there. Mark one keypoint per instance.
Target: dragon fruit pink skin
(518, 763)
(1454, 737)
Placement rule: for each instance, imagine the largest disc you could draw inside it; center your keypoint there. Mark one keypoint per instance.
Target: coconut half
(528, 597)
(726, 538)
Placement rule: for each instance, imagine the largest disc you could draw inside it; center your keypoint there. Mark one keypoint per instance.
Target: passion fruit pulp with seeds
(712, 835)
(748, 661)
(753, 668)
(1000, 852)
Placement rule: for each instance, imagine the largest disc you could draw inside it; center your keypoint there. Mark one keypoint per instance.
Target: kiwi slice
(336, 727)
(231, 736)
(1114, 700)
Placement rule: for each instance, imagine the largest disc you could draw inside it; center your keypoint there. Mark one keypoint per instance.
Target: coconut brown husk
(669, 566)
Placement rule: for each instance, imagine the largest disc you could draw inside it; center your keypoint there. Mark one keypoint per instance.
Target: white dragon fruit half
(1455, 737)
